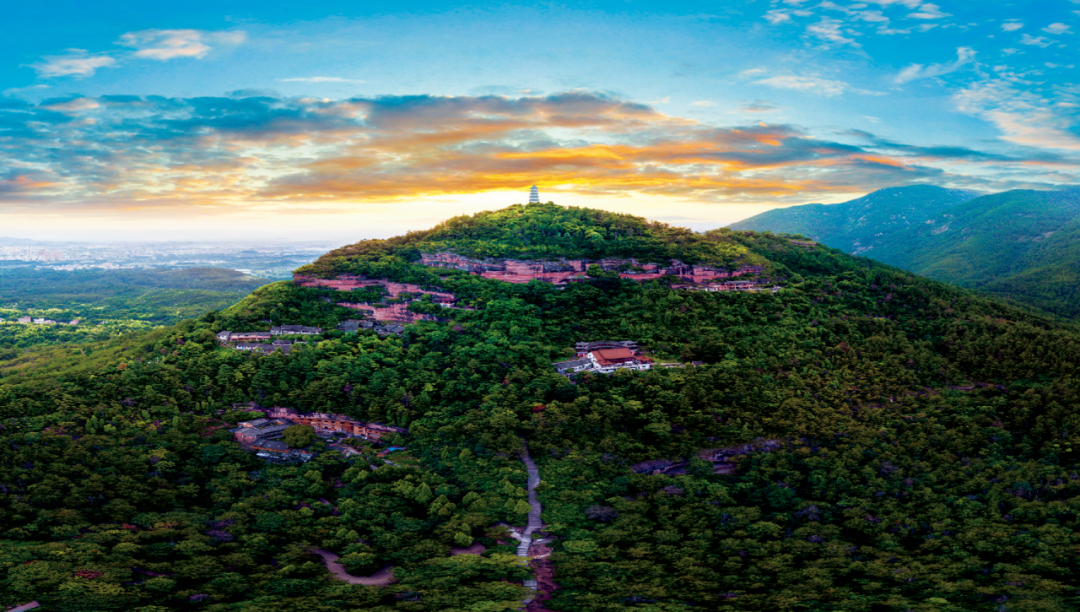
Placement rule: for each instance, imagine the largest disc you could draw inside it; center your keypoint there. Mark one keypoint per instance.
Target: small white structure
(534, 195)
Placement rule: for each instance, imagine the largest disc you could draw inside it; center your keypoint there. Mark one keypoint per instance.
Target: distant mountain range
(1020, 244)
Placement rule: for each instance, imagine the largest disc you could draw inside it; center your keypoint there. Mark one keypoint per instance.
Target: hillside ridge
(855, 437)
(1001, 243)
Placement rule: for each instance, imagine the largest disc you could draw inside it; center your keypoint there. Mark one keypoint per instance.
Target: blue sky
(348, 120)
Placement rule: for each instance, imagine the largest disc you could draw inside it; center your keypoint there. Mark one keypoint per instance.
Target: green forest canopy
(926, 455)
(107, 303)
(544, 232)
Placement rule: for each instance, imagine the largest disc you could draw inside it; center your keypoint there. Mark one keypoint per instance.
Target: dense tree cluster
(923, 451)
(546, 231)
(108, 303)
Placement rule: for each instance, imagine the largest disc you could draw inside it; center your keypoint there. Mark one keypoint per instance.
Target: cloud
(1039, 41)
(79, 63)
(165, 45)
(808, 84)
(320, 79)
(1056, 28)
(870, 16)
(1011, 26)
(758, 107)
(964, 55)
(287, 154)
(23, 184)
(1023, 117)
(74, 105)
(830, 31)
(158, 45)
(929, 11)
(777, 16)
(926, 153)
(704, 103)
(905, 3)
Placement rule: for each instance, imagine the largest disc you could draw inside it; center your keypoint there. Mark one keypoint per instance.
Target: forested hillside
(107, 302)
(911, 446)
(546, 231)
(863, 226)
(1016, 244)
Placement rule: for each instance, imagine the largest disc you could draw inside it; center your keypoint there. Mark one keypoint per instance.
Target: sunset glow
(261, 120)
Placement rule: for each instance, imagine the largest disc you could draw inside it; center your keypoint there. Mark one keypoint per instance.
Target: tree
(299, 436)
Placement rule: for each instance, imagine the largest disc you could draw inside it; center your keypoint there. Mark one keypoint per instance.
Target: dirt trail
(544, 570)
(382, 577)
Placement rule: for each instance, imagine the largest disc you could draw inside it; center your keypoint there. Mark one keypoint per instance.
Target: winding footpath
(382, 577)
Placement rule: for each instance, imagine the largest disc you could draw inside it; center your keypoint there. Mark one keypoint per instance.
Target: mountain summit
(1017, 244)
(863, 226)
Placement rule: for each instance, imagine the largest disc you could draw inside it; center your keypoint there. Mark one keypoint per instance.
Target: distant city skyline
(344, 121)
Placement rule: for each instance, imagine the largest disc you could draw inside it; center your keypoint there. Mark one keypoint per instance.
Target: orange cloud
(234, 153)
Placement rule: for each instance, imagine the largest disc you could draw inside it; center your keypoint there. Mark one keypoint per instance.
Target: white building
(534, 195)
(606, 361)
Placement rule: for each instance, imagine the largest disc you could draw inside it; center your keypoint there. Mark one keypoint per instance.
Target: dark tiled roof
(272, 445)
(563, 366)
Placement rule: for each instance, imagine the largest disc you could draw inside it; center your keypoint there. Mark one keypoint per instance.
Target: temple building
(534, 195)
(605, 357)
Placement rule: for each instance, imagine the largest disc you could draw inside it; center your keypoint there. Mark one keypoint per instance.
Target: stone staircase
(534, 522)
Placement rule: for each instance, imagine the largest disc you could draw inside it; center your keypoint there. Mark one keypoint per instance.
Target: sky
(342, 121)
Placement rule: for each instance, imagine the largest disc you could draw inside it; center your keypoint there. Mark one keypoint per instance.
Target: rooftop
(272, 445)
(613, 355)
(563, 366)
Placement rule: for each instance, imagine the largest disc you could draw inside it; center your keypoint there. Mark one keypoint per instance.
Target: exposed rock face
(397, 313)
(507, 270)
(563, 270)
(348, 282)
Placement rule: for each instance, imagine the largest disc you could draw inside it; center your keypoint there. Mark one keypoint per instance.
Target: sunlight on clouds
(170, 44)
(79, 63)
(73, 106)
(225, 160)
(158, 45)
(1024, 117)
(345, 223)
